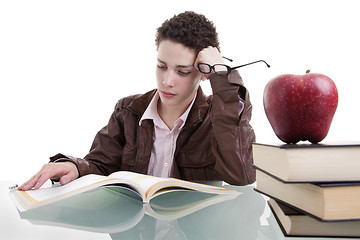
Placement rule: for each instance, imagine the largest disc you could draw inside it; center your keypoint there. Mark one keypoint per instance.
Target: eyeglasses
(222, 69)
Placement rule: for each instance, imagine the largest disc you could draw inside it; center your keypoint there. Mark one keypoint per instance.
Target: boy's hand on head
(209, 55)
(64, 171)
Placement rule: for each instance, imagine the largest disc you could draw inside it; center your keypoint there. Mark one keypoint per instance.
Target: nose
(169, 78)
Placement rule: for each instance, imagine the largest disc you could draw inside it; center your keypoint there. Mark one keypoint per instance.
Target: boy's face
(177, 78)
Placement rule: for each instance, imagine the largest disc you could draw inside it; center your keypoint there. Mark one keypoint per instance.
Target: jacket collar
(140, 102)
(198, 111)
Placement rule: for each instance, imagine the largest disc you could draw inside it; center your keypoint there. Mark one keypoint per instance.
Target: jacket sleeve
(233, 132)
(105, 154)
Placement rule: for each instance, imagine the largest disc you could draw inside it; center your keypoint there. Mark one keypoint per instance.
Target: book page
(146, 182)
(54, 191)
(154, 186)
(26, 199)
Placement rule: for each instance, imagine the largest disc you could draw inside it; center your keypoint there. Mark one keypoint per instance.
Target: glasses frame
(229, 69)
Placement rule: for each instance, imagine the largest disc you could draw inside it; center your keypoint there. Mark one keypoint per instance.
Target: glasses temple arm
(229, 59)
(250, 64)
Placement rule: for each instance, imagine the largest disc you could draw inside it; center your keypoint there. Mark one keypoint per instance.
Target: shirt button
(166, 164)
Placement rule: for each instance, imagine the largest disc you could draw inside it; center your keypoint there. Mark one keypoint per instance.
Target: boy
(174, 130)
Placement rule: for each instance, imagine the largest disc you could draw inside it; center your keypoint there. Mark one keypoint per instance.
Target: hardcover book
(294, 223)
(309, 162)
(325, 201)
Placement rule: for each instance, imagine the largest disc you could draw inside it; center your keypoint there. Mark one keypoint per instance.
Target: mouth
(167, 94)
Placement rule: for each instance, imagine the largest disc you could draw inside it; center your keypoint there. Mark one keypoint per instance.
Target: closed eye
(161, 66)
(184, 73)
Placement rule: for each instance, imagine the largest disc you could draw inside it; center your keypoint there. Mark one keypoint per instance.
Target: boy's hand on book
(65, 172)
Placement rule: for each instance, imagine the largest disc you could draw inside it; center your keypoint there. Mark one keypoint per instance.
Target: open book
(147, 187)
(114, 209)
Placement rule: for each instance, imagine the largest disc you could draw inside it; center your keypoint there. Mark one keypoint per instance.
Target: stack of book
(314, 189)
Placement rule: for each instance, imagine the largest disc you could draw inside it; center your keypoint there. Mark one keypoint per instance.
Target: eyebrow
(179, 65)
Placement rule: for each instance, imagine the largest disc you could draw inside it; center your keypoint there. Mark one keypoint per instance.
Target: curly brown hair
(192, 30)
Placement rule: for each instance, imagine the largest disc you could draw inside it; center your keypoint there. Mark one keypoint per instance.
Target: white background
(64, 64)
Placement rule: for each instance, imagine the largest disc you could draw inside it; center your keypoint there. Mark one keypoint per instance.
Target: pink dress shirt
(163, 149)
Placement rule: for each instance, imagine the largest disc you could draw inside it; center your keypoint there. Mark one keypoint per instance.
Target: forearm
(83, 166)
(232, 130)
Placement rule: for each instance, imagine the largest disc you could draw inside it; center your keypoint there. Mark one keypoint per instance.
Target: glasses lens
(204, 68)
(221, 69)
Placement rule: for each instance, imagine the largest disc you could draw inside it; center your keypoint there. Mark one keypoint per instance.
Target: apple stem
(307, 71)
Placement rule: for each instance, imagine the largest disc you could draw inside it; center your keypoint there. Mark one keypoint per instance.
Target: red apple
(300, 107)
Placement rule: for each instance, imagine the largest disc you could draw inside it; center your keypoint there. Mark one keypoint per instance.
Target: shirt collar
(152, 113)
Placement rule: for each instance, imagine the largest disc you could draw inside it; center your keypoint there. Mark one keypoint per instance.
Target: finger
(35, 182)
(65, 172)
(34, 179)
(39, 178)
(70, 176)
(49, 171)
(64, 180)
(52, 172)
(26, 183)
(29, 183)
(199, 58)
(40, 182)
(196, 63)
(204, 77)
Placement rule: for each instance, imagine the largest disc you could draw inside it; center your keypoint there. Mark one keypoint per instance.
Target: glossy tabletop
(105, 214)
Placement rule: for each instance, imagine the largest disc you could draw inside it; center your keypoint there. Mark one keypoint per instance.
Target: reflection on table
(111, 213)
(178, 215)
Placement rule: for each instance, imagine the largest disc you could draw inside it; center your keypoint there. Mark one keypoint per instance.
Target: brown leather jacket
(214, 144)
